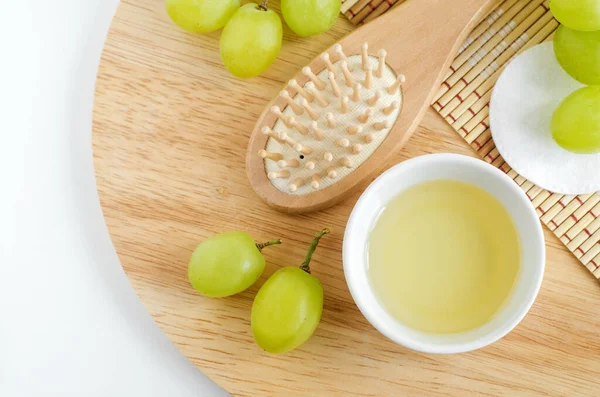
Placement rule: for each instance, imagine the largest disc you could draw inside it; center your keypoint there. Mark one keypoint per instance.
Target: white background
(70, 324)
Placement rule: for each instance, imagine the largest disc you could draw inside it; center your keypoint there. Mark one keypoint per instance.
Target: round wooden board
(170, 135)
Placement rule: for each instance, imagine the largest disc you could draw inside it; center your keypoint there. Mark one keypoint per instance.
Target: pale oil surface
(443, 257)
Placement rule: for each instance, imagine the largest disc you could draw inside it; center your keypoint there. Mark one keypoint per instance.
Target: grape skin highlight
(251, 41)
(582, 15)
(226, 264)
(286, 310)
(576, 121)
(579, 54)
(201, 16)
(310, 17)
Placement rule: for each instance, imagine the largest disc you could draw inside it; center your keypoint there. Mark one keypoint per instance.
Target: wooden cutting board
(170, 134)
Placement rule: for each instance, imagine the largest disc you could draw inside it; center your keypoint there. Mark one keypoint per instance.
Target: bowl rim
(353, 275)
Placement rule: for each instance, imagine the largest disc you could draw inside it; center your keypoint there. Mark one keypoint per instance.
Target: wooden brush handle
(421, 38)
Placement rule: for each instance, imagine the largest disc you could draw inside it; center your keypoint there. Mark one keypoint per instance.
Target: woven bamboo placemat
(463, 100)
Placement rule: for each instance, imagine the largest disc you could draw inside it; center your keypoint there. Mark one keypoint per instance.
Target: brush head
(422, 57)
(333, 122)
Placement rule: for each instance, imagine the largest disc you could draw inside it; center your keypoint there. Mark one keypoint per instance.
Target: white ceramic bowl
(456, 167)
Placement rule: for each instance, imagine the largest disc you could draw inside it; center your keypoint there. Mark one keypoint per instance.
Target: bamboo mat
(463, 100)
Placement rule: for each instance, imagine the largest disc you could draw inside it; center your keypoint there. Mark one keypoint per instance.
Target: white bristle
(316, 132)
(355, 92)
(328, 157)
(369, 76)
(334, 85)
(364, 55)
(277, 112)
(270, 155)
(283, 174)
(267, 131)
(297, 183)
(302, 149)
(298, 126)
(319, 97)
(396, 84)
(330, 120)
(356, 148)
(331, 173)
(300, 90)
(340, 52)
(342, 142)
(316, 181)
(389, 109)
(346, 162)
(369, 138)
(344, 105)
(309, 110)
(381, 66)
(373, 100)
(381, 125)
(307, 71)
(363, 118)
(347, 75)
(325, 58)
(292, 163)
(310, 164)
(291, 103)
(353, 130)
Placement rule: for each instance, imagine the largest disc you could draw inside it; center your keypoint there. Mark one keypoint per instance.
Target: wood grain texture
(170, 134)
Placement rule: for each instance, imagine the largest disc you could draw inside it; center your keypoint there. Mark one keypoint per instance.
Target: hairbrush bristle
(295, 106)
(348, 78)
(331, 123)
(391, 107)
(307, 71)
(330, 120)
(293, 163)
(325, 58)
(381, 63)
(394, 87)
(269, 155)
(364, 56)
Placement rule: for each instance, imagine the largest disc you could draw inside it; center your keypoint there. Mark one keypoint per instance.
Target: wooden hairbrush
(337, 121)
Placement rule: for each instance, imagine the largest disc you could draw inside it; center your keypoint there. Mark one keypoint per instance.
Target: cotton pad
(523, 100)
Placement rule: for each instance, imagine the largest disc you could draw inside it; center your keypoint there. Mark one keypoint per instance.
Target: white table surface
(70, 324)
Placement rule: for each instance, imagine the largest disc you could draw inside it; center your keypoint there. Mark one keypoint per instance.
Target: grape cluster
(253, 33)
(286, 309)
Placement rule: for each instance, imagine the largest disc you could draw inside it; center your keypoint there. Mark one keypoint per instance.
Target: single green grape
(310, 17)
(226, 264)
(201, 16)
(581, 15)
(579, 54)
(288, 307)
(251, 40)
(576, 121)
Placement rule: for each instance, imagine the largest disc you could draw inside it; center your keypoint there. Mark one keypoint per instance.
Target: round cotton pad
(523, 100)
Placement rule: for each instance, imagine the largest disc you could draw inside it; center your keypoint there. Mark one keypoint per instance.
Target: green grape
(201, 16)
(579, 54)
(310, 17)
(288, 307)
(251, 40)
(226, 264)
(576, 121)
(581, 15)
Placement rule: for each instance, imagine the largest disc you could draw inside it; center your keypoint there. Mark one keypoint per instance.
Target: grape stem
(260, 246)
(263, 5)
(313, 246)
